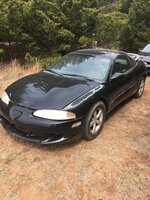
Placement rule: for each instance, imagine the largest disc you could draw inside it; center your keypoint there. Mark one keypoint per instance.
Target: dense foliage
(58, 26)
(136, 32)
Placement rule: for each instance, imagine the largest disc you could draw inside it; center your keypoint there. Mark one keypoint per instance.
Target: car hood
(47, 90)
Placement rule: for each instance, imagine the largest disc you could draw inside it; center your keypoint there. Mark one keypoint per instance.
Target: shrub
(29, 59)
(2, 53)
(48, 60)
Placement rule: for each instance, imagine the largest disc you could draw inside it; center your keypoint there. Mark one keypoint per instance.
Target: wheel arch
(105, 102)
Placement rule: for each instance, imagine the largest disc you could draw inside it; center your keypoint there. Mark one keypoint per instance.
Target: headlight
(54, 114)
(5, 98)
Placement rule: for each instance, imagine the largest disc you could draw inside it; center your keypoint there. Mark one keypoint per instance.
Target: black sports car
(70, 99)
(144, 55)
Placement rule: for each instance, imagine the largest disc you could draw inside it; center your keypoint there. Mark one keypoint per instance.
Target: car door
(121, 81)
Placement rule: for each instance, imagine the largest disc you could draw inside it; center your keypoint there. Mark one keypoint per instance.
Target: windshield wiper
(49, 70)
(80, 76)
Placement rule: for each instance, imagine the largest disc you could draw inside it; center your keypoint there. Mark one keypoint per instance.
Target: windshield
(89, 66)
(147, 48)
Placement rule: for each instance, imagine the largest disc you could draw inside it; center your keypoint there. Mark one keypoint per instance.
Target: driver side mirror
(117, 76)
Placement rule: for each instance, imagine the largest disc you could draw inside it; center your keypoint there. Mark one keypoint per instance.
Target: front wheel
(94, 121)
(140, 90)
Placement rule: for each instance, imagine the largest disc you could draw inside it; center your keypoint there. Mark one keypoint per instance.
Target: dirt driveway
(115, 166)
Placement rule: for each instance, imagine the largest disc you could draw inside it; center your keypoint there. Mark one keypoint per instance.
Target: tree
(109, 27)
(52, 26)
(135, 34)
(126, 4)
(38, 23)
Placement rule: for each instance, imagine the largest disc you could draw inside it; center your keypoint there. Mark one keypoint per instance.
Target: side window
(121, 65)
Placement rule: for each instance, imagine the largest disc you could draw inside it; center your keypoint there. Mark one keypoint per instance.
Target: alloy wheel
(141, 87)
(96, 120)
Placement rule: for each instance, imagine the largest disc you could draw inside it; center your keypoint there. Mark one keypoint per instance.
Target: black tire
(140, 90)
(89, 132)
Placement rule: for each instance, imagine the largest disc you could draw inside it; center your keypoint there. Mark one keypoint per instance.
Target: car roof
(109, 52)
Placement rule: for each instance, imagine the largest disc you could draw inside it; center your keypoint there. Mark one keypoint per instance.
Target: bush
(85, 41)
(2, 53)
(29, 59)
(48, 60)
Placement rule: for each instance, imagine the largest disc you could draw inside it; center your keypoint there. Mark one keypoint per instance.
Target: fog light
(76, 125)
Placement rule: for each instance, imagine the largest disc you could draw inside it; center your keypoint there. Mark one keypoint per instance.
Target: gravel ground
(115, 166)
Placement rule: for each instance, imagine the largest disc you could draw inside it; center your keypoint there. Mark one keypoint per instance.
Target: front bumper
(20, 122)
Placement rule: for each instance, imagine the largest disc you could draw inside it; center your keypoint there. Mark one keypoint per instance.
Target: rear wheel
(94, 121)
(140, 90)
